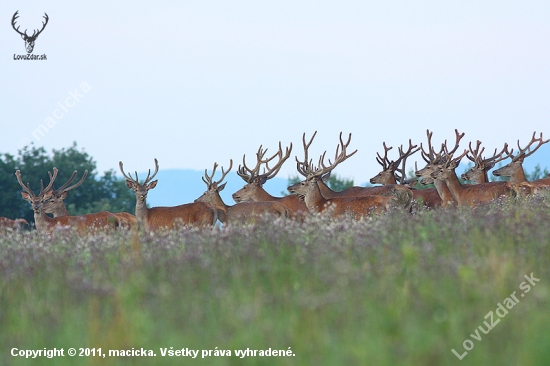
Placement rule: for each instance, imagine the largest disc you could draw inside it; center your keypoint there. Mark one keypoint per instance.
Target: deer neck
(262, 195)
(444, 192)
(314, 199)
(324, 190)
(60, 211)
(219, 205)
(518, 176)
(42, 221)
(484, 178)
(454, 186)
(142, 212)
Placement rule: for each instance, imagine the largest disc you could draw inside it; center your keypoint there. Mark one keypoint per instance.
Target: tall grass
(397, 289)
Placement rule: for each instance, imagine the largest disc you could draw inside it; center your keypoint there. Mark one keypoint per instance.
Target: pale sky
(193, 82)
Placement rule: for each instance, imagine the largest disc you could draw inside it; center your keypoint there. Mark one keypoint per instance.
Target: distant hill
(178, 186)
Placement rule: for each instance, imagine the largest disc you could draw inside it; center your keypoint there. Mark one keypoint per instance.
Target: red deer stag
(253, 190)
(471, 195)
(46, 224)
(387, 190)
(429, 196)
(514, 169)
(434, 161)
(356, 207)
(56, 204)
(159, 218)
(241, 212)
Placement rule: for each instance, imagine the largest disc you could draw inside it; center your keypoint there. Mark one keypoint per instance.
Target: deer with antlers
(478, 173)
(472, 195)
(356, 207)
(160, 218)
(429, 197)
(387, 190)
(56, 204)
(253, 190)
(515, 171)
(240, 212)
(46, 224)
(433, 162)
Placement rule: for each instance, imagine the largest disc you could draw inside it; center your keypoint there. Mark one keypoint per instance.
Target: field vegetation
(397, 289)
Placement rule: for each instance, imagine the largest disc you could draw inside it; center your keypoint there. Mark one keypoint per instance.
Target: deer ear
(152, 185)
(220, 188)
(47, 195)
(130, 184)
(489, 166)
(261, 180)
(63, 195)
(23, 36)
(26, 196)
(326, 177)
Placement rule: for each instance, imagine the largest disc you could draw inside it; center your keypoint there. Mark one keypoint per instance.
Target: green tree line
(97, 193)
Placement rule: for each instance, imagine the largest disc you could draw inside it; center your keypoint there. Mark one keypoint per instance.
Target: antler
(248, 175)
(34, 34)
(28, 189)
(13, 19)
(384, 161)
(43, 25)
(305, 167)
(147, 180)
(64, 187)
(523, 153)
(475, 155)
(339, 157)
(459, 137)
(402, 159)
(208, 179)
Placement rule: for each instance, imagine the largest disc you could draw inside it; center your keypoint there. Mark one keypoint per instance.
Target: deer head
(432, 159)
(140, 189)
(29, 40)
(213, 189)
(254, 180)
(389, 168)
(478, 173)
(514, 169)
(55, 204)
(312, 173)
(36, 201)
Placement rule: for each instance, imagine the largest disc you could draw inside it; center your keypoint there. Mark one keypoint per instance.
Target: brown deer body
(160, 218)
(241, 212)
(16, 224)
(56, 204)
(356, 207)
(44, 223)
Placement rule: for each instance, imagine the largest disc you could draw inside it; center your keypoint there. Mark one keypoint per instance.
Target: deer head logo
(29, 40)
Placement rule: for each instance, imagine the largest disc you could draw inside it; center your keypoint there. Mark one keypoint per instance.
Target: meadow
(398, 289)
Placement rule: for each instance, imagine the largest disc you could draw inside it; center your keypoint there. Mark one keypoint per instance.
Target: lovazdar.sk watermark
(501, 311)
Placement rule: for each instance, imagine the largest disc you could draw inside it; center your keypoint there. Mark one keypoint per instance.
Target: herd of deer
(311, 195)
